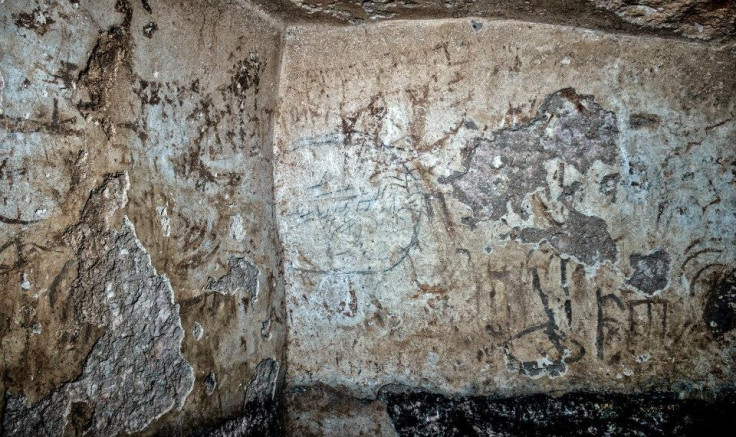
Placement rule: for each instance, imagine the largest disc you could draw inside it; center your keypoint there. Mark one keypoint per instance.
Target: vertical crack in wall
(135, 373)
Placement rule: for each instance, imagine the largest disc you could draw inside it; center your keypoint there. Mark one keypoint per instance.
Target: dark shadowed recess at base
(648, 414)
(416, 413)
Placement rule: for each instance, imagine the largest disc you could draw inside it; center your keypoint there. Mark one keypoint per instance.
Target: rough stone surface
(710, 19)
(654, 414)
(692, 19)
(261, 409)
(510, 209)
(242, 277)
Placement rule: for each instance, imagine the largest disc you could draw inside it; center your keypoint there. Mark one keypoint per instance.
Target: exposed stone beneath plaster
(135, 373)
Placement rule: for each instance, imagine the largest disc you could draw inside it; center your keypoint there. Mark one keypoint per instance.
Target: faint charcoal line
(565, 288)
(700, 273)
(698, 253)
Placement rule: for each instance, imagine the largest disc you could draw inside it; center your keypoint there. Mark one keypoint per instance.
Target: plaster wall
(216, 214)
(138, 257)
(499, 207)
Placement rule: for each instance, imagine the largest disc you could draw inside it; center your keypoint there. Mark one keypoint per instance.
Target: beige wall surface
(505, 208)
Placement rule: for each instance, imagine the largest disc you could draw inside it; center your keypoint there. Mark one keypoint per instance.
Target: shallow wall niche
(138, 253)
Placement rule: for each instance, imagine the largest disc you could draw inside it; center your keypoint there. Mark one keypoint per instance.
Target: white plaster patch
(2, 88)
(165, 220)
(25, 284)
(197, 331)
(237, 228)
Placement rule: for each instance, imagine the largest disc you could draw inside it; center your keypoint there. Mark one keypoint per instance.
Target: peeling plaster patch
(650, 271)
(510, 165)
(241, 278)
(118, 288)
(503, 168)
(165, 220)
(584, 237)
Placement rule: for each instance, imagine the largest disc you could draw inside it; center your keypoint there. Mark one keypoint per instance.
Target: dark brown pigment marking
(650, 271)
(644, 121)
(149, 29)
(110, 59)
(35, 20)
(720, 306)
